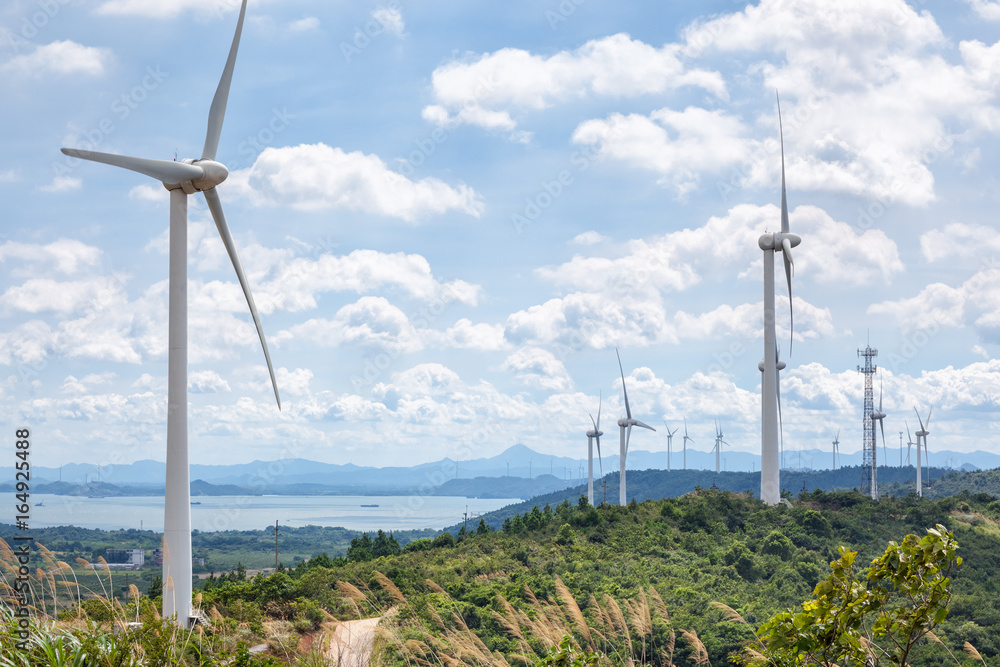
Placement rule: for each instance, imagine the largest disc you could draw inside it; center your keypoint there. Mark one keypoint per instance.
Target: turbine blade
(929, 411)
(600, 461)
(639, 423)
(784, 200)
(215, 205)
(908, 436)
(217, 113)
(919, 419)
(628, 410)
(685, 427)
(600, 400)
(786, 254)
(880, 387)
(165, 171)
(781, 421)
(628, 436)
(592, 421)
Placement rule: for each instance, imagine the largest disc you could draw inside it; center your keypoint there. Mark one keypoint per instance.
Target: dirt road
(351, 645)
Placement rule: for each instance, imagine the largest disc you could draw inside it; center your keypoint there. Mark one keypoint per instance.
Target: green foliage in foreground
(876, 620)
(682, 553)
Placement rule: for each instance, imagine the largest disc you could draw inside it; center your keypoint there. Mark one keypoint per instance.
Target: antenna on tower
(869, 469)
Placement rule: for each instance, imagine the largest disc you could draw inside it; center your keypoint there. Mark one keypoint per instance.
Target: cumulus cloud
(207, 382)
(539, 369)
(589, 238)
(986, 9)
(65, 256)
(486, 90)
(59, 58)
(960, 241)
(62, 184)
(314, 177)
(371, 322)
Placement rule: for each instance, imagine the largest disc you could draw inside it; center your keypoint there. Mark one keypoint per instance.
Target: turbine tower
(909, 442)
(686, 438)
(625, 426)
(869, 458)
(783, 242)
(591, 436)
(670, 442)
(836, 449)
(182, 179)
(922, 436)
(718, 445)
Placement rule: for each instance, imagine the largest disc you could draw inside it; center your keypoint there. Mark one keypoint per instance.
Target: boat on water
(369, 505)
(196, 503)
(40, 504)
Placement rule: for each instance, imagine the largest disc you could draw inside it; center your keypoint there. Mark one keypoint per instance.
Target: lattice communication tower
(869, 470)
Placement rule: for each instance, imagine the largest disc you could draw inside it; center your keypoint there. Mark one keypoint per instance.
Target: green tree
(870, 621)
(483, 527)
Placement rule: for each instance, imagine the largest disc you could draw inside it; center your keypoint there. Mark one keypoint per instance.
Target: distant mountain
(517, 462)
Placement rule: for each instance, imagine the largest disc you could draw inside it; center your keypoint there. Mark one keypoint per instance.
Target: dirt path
(351, 645)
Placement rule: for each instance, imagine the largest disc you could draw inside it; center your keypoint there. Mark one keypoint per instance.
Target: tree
(483, 527)
(871, 621)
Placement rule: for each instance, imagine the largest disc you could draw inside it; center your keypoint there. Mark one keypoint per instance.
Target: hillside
(688, 552)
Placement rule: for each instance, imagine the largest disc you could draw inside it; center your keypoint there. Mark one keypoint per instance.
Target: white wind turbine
(783, 242)
(625, 433)
(780, 366)
(922, 436)
(836, 449)
(909, 442)
(183, 179)
(879, 416)
(591, 436)
(686, 438)
(670, 442)
(718, 445)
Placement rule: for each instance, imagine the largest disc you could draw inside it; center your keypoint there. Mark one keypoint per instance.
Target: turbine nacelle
(783, 241)
(213, 173)
(595, 434)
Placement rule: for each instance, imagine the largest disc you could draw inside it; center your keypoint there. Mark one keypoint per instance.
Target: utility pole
(465, 518)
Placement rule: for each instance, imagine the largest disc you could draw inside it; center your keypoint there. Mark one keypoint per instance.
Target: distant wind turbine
(922, 437)
(718, 445)
(182, 179)
(836, 449)
(625, 433)
(591, 436)
(783, 242)
(670, 442)
(686, 438)
(909, 442)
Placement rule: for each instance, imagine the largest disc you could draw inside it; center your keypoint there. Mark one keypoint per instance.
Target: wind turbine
(836, 449)
(686, 438)
(780, 366)
(182, 179)
(591, 436)
(922, 435)
(625, 426)
(718, 445)
(670, 442)
(783, 242)
(909, 442)
(879, 416)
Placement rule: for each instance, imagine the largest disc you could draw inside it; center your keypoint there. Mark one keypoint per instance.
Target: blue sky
(451, 213)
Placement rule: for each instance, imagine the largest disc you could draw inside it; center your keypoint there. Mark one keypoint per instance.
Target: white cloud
(974, 304)
(485, 90)
(747, 321)
(67, 256)
(371, 322)
(679, 145)
(317, 177)
(538, 369)
(62, 184)
(59, 58)
(149, 193)
(589, 238)
(391, 20)
(960, 241)
(304, 24)
(10, 176)
(207, 382)
(465, 335)
(986, 9)
(164, 9)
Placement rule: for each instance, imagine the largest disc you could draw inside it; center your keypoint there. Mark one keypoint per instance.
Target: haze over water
(217, 513)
